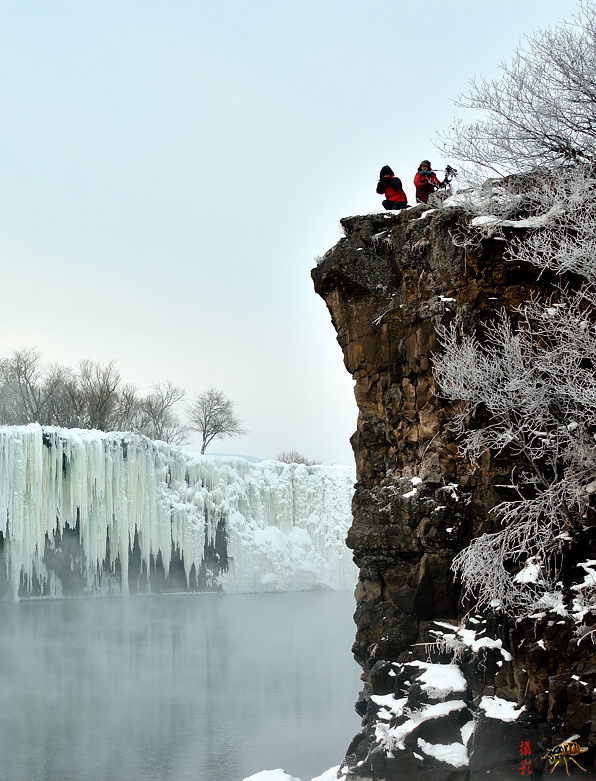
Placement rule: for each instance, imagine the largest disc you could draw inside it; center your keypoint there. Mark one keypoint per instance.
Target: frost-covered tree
(527, 386)
(213, 416)
(541, 110)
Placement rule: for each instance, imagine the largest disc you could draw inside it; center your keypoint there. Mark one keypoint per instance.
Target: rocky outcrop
(390, 285)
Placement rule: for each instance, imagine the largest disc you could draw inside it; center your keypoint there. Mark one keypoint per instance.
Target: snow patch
(328, 775)
(272, 775)
(467, 731)
(439, 680)
(500, 710)
(425, 215)
(529, 573)
(537, 221)
(388, 701)
(410, 494)
(468, 638)
(393, 737)
(590, 576)
(552, 602)
(582, 602)
(451, 753)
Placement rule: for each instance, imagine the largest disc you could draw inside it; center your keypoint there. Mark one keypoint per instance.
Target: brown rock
(387, 304)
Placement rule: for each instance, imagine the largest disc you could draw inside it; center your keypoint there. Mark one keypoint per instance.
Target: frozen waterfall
(108, 513)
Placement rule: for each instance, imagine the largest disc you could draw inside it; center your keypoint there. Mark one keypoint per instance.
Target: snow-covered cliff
(116, 512)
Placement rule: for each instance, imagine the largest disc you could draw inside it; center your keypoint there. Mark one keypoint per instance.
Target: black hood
(385, 170)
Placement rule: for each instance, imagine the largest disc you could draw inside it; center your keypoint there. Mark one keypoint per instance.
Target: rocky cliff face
(390, 284)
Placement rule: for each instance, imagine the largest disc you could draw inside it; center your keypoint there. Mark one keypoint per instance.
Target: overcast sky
(169, 169)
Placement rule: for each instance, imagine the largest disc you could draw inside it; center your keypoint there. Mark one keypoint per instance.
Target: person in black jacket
(390, 186)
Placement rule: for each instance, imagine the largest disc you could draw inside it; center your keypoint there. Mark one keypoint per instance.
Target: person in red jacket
(426, 182)
(390, 186)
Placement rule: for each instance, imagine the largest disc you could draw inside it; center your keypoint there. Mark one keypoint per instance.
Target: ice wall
(283, 525)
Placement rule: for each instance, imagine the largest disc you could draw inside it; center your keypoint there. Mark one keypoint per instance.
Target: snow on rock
(462, 198)
(529, 573)
(272, 775)
(537, 221)
(452, 753)
(328, 775)
(393, 737)
(501, 710)
(590, 576)
(285, 523)
(410, 494)
(426, 214)
(583, 601)
(470, 639)
(389, 703)
(552, 601)
(439, 680)
(466, 731)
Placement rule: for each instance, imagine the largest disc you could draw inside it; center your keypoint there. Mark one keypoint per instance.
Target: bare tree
(90, 396)
(128, 415)
(99, 384)
(294, 457)
(31, 385)
(9, 407)
(212, 415)
(163, 423)
(543, 108)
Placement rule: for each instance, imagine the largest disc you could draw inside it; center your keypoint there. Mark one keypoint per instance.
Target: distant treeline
(92, 395)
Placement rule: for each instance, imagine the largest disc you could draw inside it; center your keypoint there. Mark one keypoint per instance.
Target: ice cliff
(83, 511)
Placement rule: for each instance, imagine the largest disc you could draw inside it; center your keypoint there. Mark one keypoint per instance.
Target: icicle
(285, 524)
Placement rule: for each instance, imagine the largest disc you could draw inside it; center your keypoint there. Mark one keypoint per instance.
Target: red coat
(425, 185)
(394, 192)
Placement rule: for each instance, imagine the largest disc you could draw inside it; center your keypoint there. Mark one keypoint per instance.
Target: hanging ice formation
(109, 513)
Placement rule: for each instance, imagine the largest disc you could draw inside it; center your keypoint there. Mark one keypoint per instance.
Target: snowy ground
(280, 775)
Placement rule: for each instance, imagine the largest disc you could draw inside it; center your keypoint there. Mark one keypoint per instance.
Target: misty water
(176, 688)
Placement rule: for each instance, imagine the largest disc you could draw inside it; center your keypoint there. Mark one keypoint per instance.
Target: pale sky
(169, 169)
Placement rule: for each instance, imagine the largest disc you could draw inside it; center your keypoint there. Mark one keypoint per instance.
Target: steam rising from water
(176, 688)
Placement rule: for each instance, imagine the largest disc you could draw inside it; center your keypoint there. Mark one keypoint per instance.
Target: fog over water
(180, 687)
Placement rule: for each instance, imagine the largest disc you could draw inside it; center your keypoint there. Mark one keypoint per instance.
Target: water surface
(176, 688)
